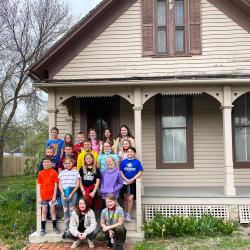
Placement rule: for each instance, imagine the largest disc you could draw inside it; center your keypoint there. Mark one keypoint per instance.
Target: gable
(113, 48)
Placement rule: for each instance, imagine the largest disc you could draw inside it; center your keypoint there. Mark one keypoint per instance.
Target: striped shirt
(68, 178)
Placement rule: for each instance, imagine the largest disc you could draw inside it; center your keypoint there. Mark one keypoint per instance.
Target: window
(171, 27)
(241, 118)
(174, 132)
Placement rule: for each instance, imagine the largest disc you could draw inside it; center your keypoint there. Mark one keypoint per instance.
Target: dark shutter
(148, 27)
(195, 26)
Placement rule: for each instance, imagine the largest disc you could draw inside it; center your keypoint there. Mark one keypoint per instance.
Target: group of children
(89, 174)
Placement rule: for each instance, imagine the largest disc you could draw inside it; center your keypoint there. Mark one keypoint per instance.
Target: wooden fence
(13, 165)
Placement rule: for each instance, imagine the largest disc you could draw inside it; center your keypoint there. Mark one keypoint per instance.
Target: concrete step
(50, 236)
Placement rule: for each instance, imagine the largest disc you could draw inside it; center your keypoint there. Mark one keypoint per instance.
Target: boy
(77, 148)
(49, 151)
(47, 188)
(56, 143)
(131, 169)
(87, 147)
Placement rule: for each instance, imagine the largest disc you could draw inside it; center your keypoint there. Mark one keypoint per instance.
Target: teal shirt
(102, 160)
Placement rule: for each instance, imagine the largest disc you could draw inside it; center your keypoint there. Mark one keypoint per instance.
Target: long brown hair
(78, 211)
(85, 167)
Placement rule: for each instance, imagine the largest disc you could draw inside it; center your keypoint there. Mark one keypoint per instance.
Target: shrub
(207, 225)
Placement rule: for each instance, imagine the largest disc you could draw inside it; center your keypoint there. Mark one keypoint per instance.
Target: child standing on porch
(69, 180)
(47, 189)
(94, 141)
(56, 143)
(131, 169)
(77, 148)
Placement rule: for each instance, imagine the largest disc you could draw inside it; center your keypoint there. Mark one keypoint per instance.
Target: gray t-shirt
(111, 217)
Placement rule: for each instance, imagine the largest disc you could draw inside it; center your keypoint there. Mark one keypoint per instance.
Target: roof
(38, 71)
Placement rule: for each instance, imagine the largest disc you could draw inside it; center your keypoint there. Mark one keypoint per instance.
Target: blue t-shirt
(102, 159)
(57, 145)
(130, 168)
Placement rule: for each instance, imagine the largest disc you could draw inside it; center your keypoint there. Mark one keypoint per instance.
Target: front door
(101, 113)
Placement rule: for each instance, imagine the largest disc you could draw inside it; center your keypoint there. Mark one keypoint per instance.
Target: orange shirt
(47, 179)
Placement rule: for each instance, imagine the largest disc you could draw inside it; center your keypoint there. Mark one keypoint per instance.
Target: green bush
(207, 225)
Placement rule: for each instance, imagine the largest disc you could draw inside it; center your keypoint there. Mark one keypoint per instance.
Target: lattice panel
(244, 211)
(219, 211)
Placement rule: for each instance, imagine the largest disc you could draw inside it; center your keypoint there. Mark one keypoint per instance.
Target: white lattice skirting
(219, 211)
(244, 212)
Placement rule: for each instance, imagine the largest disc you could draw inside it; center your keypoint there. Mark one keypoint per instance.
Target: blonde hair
(84, 166)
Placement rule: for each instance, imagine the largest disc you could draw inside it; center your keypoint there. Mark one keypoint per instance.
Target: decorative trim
(52, 111)
(223, 107)
(137, 108)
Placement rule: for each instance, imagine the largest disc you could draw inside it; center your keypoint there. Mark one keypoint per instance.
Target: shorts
(45, 203)
(129, 189)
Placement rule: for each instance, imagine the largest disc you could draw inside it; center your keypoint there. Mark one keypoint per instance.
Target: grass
(17, 206)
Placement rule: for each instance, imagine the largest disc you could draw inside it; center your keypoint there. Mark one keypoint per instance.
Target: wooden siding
(76, 122)
(208, 148)
(116, 52)
(61, 122)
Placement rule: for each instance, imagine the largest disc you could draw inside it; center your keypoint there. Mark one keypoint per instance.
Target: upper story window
(241, 118)
(171, 27)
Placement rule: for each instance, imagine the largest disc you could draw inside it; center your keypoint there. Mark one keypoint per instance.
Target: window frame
(159, 136)
(237, 164)
(170, 31)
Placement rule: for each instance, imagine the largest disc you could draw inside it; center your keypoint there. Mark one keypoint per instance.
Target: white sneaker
(128, 217)
(90, 243)
(75, 244)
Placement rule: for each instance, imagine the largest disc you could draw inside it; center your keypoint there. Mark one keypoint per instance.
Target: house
(177, 72)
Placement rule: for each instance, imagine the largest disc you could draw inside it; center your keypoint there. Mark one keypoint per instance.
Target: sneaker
(64, 235)
(110, 245)
(56, 230)
(90, 243)
(42, 232)
(75, 244)
(128, 217)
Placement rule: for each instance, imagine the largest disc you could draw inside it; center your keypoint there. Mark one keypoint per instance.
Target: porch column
(52, 108)
(69, 121)
(229, 187)
(138, 142)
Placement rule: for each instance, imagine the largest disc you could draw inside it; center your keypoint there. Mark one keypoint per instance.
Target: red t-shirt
(47, 179)
(76, 149)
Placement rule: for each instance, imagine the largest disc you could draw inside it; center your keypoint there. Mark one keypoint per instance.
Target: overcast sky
(80, 8)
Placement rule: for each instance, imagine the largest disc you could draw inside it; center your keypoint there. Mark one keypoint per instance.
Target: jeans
(68, 207)
(91, 236)
(120, 234)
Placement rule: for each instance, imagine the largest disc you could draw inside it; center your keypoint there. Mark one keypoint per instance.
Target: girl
(68, 140)
(112, 223)
(107, 151)
(125, 145)
(47, 185)
(107, 137)
(90, 179)
(124, 134)
(111, 181)
(82, 224)
(69, 180)
(94, 140)
(131, 169)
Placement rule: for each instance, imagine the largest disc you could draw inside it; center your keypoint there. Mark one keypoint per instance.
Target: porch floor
(195, 192)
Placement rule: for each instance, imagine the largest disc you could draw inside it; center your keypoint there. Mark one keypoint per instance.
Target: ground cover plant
(17, 206)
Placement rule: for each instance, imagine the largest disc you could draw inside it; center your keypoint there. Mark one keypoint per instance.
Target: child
(56, 143)
(94, 140)
(69, 180)
(77, 148)
(111, 181)
(124, 134)
(107, 151)
(112, 223)
(68, 140)
(90, 179)
(125, 145)
(87, 147)
(82, 224)
(47, 189)
(49, 152)
(68, 152)
(107, 137)
(131, 169)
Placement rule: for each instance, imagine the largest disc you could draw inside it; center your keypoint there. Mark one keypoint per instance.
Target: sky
(80, 8)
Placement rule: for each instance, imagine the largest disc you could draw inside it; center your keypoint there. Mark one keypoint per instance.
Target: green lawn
(17, 206)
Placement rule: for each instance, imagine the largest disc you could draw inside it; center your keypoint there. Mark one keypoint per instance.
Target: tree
(27, 29)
